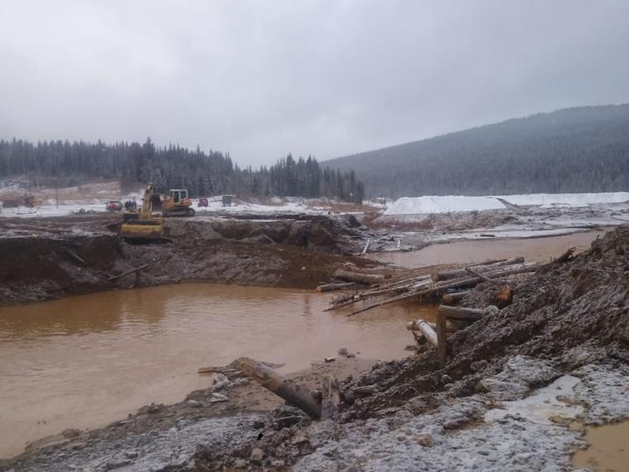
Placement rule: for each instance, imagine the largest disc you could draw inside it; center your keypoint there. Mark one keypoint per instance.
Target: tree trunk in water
(334, 287)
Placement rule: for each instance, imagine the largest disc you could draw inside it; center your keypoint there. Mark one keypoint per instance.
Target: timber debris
(421, 286)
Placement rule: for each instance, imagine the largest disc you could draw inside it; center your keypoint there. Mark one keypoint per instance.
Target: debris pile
(422, 286)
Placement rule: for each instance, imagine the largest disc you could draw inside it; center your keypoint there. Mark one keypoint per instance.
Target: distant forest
(204, 174)
(573, 150)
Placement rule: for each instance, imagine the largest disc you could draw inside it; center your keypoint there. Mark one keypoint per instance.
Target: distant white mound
(446, 204)
(547, 200)
(459, 203)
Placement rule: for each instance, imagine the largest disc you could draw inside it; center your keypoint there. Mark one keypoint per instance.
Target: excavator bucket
(142, 231)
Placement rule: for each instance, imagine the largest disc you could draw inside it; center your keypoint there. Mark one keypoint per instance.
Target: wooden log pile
(450, 319)
(422, 286)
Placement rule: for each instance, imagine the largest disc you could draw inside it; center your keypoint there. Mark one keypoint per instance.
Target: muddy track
(50, 258)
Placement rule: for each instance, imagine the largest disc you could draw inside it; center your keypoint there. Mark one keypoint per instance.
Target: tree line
(64, 163)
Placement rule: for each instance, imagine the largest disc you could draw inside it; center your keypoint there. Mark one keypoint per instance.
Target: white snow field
(459, 203)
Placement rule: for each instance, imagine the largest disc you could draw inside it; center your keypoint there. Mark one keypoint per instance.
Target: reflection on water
(87, 360)
(462, 252)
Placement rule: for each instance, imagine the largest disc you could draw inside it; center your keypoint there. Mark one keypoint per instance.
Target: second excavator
(177, 203)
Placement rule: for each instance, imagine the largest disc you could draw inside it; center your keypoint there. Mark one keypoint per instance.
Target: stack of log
(450, 319)
(428, 286)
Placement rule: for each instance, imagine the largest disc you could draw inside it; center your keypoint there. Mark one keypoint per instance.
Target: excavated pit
(50, 258)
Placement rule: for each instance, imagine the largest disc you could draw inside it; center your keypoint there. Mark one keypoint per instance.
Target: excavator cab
(178, 194)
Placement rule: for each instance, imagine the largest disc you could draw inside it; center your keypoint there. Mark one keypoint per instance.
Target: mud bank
(49, 258)
(507, 399)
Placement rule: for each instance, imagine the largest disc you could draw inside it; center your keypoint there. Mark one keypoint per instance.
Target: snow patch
(459, 203)
(543, 406)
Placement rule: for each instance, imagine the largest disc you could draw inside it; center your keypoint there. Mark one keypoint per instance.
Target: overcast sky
(260, 79)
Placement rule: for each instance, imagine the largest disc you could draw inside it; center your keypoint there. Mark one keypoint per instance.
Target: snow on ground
(51, 210)
(522, 429)
(215, 206)
(452, 204)
(276, 205)
(574, 200)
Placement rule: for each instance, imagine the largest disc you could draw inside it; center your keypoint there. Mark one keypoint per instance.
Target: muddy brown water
(532, 249)
(608, 449)
(85, 361)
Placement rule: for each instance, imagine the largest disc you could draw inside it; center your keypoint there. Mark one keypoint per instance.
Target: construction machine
(177, 203)
(141, 226)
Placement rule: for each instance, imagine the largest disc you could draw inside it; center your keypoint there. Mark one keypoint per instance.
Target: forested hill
(63, 163)
(573, 150)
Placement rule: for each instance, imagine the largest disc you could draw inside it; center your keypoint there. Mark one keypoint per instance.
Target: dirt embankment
(54, 257)
(561, 307)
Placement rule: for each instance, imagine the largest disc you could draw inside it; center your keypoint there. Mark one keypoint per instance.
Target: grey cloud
(326, 77)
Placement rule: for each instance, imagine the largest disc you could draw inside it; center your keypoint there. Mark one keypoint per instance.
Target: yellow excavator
(177, 203)
(141, 226)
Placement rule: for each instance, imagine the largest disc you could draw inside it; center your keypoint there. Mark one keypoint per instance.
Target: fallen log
(466, 282)
(427, 331)
(484, 267)
(442, 344)
(482, 276)
(330, 398)
(366, 248)
(369, 279)
(454, 298)
(341, 302)
(334, 287)
(460, 313)
(296, 395)
(450, 327)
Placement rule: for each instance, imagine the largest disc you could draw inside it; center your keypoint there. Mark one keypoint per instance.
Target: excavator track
(180, 212)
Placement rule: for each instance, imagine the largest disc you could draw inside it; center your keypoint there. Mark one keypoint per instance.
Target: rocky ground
(46, 258)
(518, 392)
